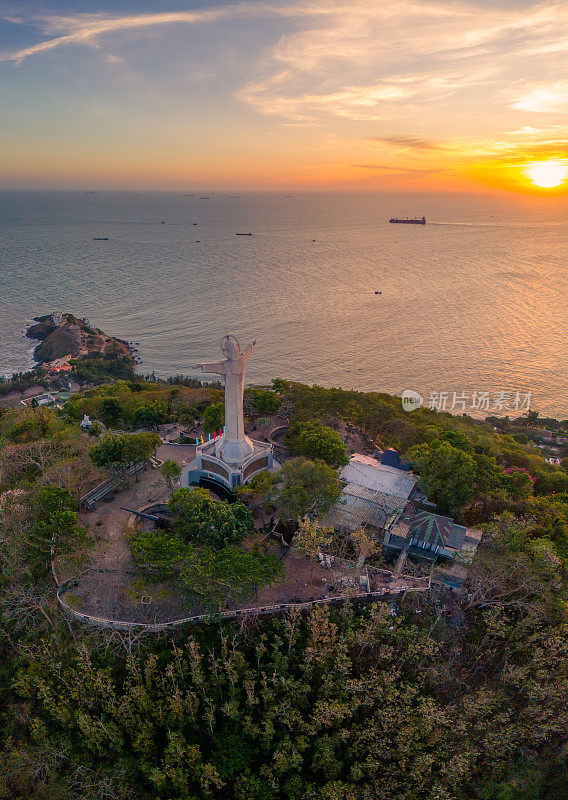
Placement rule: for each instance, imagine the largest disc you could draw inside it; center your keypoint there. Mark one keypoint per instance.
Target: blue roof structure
(391, 458)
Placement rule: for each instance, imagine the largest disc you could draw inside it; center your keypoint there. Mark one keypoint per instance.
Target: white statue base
(234, 453)
(211, 462)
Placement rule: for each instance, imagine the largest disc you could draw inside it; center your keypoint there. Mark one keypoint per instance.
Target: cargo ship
(407, 221)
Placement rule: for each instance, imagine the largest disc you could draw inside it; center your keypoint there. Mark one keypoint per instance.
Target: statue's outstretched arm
(219, 368)
(246, 355)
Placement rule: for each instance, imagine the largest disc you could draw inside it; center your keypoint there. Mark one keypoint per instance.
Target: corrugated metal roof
(366, 471)
(359, 505)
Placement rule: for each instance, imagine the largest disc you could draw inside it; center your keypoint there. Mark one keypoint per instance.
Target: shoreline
(126, 350)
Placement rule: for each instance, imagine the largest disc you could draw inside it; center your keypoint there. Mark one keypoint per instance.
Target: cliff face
(62, 341)
(43, 327)
(68, 336)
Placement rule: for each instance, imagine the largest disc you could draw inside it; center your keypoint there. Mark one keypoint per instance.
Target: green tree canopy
(261, 489)
(160, 551)
(108, 451)
(214, 417)
(116, 450)
(170, 470)
(459, 440)
(139, 446)
(227, 574)
(151, 414)
(201, 519)
(32, 425)
(487, 474)
(200, 550)
(279, 385)
(313, 440)
(110, 410)
(306, 487)
(265, 401)
(447, 473)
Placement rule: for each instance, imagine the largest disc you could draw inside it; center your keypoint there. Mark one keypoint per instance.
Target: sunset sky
(354, 94)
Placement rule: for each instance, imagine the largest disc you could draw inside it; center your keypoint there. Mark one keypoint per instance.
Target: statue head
(231, 347)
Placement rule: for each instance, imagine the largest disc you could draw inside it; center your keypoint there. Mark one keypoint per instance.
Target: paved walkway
(181, 453)
(105, 586)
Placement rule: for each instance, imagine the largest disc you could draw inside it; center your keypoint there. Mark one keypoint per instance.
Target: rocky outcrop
(43, 327)
(62, 341)
(65, 335)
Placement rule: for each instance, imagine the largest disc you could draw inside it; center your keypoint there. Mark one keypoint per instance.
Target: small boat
(406, 221)
(100, 238)
(243, 234)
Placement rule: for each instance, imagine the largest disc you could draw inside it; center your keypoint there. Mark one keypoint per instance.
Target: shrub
(200, 519)
(315, 441)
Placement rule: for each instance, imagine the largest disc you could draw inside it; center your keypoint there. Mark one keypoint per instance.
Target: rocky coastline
(66, 336)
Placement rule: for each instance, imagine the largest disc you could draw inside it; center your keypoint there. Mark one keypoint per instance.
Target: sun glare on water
(546, 174)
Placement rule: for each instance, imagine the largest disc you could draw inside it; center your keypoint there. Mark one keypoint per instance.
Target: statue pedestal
(211, 462)
(234, 453)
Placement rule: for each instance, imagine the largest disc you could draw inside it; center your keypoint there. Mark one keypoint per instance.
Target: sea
(469, 310)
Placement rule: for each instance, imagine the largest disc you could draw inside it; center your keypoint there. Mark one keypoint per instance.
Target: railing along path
(423, 584)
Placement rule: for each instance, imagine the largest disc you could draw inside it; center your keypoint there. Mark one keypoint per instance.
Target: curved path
(420, 585)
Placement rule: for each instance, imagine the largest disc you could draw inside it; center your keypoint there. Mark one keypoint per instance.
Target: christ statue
(234, 447)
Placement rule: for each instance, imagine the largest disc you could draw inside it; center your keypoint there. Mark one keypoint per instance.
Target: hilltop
(316, 692)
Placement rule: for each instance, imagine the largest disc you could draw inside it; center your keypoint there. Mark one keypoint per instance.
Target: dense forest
(445, 696)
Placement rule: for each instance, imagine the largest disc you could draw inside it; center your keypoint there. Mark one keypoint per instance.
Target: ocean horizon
(473, 302)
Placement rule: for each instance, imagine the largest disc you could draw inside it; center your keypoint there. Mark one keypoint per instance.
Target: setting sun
(547, 174)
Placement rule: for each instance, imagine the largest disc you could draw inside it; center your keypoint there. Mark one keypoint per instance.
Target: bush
(200, 519)
(315, 441)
